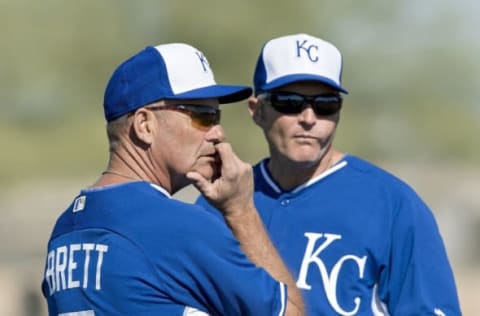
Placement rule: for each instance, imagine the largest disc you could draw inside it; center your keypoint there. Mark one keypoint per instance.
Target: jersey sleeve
(419, 279)
(203, 203)
(203, 267)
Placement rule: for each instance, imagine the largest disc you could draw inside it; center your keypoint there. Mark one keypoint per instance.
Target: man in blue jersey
(358, 240)
(125, 247)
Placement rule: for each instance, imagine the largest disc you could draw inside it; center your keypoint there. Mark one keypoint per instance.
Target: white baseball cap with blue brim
(295, 58)
(174, 71)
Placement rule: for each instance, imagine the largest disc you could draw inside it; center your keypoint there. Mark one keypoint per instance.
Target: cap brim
(301, 77)
(224, 93)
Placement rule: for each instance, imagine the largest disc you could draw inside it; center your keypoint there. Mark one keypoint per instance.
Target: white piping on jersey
(105, 187)
(80, 313)
(324, 174)
(439, 312)
(379, 308)
(190, 311)
(159, 188)
(282, 299)
(102, 187)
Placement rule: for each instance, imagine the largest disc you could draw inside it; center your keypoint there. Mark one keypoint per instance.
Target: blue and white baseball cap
(299, 57)
(171, 71)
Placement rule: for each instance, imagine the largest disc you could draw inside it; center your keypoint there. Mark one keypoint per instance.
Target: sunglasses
(203, 117)
(294, 103)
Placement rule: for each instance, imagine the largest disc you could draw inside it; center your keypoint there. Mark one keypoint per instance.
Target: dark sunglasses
(203, 117)
(294, 103)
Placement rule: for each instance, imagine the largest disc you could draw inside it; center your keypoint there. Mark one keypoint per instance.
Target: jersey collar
(266, 175)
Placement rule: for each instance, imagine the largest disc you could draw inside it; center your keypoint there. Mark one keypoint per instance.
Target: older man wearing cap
(125, 247)
(358, 240)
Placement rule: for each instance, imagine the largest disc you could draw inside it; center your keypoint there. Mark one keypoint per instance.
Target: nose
(216, 134)
(307, 116)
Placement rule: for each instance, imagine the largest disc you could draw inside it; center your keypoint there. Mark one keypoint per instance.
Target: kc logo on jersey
(306, 49)
(329, 280)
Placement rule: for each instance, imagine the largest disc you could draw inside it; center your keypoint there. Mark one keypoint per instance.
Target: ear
(255, 110)
(144, 125)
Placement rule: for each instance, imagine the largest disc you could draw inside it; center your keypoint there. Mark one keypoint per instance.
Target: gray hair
(116, 128)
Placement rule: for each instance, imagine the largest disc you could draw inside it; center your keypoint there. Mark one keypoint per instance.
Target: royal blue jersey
(359, 242)
(130, 249)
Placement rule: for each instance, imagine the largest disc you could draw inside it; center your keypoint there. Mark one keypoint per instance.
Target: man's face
(301, 138)
(186, 143)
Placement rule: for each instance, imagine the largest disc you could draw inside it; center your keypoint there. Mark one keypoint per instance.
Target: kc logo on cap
(311, 50)
(299, 57)
(173, 71)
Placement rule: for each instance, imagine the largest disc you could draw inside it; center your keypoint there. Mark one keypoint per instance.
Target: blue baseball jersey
(130, 249)
(359, 241)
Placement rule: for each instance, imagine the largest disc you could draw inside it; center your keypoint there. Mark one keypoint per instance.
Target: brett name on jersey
(75, 265)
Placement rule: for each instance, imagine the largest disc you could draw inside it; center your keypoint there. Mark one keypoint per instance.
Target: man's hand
(232, 194)
(232, 190)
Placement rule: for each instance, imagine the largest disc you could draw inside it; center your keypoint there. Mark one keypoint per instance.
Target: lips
(212, 155)
(304, 136)
(208, 158)
(215, 163)
(211, 158)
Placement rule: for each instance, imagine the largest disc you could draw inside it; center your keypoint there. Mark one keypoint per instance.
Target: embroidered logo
(203, 61)
(311, 50)
(79, 203)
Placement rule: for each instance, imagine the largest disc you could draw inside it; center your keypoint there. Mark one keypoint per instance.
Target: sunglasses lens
(327, 105)
(292, 103)
(205, 120)
(203, 117)
(287, 103)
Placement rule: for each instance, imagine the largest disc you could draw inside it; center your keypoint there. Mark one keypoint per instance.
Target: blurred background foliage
(411, 67)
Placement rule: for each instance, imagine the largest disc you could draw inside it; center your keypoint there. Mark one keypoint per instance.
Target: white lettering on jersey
(86, 248)
(72, 265)
(65, 259)
(50, 272)
(379, 308)
(60, 267)
(101, 249)
(312, 255)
